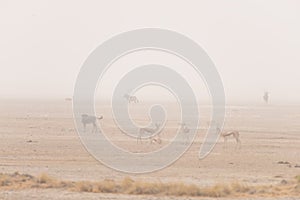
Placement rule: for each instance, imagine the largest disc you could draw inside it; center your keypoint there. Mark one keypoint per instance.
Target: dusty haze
(255, 45)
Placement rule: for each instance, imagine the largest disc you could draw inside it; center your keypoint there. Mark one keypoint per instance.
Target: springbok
(88, 119)
(226, 135)
(151, 131)
(131, 99)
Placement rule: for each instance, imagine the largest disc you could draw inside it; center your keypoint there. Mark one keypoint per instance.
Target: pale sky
(254, 44)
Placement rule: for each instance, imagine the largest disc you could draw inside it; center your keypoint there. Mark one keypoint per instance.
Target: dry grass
(297, 187)
(298, 179)
(18, 181)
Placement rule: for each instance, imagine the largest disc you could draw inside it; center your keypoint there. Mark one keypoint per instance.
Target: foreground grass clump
(17, 181)
(298, 179)
(26, 181)
(297, 187)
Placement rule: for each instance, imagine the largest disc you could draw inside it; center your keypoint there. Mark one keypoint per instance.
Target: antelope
(235, 134)
(185, 130)
(131, 98)
(88, 119)
(266, 97)
(151, 131)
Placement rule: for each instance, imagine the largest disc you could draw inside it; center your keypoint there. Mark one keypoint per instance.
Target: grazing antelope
(235, 134)
(88, 119)
(131, 99)
(151, 131)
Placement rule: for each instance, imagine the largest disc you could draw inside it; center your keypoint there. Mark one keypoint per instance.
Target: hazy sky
(255, 45)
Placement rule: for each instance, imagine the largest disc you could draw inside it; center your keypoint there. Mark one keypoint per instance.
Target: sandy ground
(65, 195)
(37, 137)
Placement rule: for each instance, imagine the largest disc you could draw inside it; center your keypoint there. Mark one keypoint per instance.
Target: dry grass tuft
(45, 180)
(219, 190)
(83, 186)
(298, 179)
(17, 181)
(297, 187)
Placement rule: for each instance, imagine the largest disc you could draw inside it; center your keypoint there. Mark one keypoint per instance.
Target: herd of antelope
(153, 134)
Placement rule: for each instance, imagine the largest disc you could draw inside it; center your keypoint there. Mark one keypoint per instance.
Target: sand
(65, 195)
(40, 137)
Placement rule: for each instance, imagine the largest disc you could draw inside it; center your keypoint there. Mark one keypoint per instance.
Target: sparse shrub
(127, 183)
(239, 188)
(128, 186)
(16, 174)
(44, 178)
(83, 186)
(108, 186)
(4, 182)
(66, 184)
(219, 190)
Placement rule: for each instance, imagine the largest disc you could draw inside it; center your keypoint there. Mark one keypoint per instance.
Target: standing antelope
(266, 97)
(151, 131)
(131, 99)
(235, 134)
(185, 130)
(88, 119)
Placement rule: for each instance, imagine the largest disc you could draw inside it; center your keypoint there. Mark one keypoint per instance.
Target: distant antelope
(151, 131)
(131, 99)
(235, 134)
(185, 130)
(266, 97)
(88, 119)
